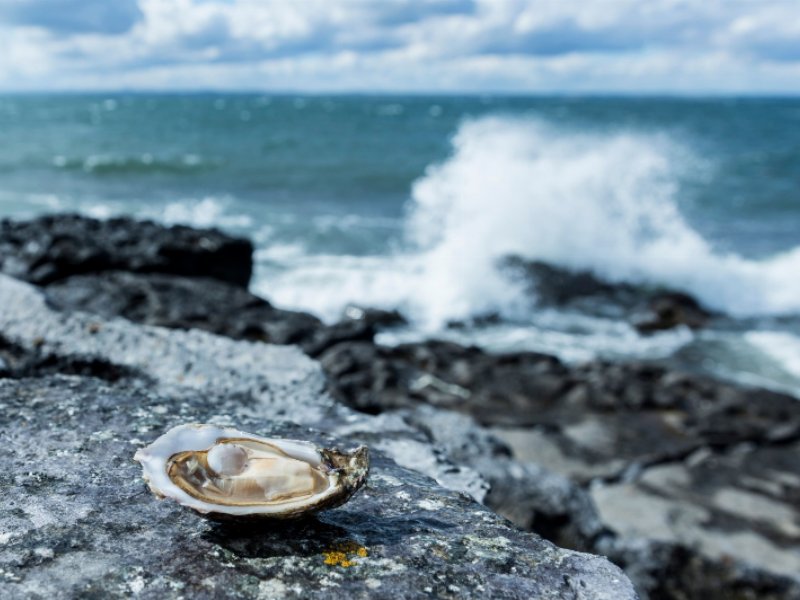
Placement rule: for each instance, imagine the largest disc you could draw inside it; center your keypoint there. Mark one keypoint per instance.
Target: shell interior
(268, 475)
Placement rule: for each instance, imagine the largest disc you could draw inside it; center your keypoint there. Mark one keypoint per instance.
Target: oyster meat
(220, 471)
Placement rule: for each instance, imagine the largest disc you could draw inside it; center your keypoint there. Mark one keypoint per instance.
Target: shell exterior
(225, 473)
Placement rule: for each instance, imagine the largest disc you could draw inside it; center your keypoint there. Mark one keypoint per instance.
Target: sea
(410, 202)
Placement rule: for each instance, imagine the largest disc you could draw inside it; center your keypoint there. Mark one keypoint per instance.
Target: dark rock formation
(16, 362)
(373, 378)
(662, 454)
(183, 303)
(687, 482)
(175, 277)
(671, 309)
(375, 317)
(638, 411)
(556, 286)
(52, 248)
(211, 305)
(735, 508)
(648, 308)
(76, 520)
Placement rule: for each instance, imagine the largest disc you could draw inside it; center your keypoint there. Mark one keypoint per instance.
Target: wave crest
(603, 202)
(108, 164)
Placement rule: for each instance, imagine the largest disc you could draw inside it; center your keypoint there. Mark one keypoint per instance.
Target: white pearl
(227, 459)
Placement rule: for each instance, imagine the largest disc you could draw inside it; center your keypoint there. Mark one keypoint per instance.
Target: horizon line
(672, 94)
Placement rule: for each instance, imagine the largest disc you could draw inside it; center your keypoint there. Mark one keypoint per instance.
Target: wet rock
(657, 543)
(671, 309)
(373, 378)
(183, 303)
(720, 524)
(207, 304)
(740, 505)
(348, 330)
(356, 325)
(603, 417)
(55, 247)
(632, 434)
(378, 318)
(532, 497)
(669, 571)
(649, 308)
(555, 286)
(76, 520)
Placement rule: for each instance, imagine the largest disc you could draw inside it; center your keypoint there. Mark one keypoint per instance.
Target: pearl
(227, 459)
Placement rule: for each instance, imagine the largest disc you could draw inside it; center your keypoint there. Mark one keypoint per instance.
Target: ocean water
(409, 202)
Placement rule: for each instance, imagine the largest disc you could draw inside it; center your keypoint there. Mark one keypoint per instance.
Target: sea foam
(606, 202)
(603, 202)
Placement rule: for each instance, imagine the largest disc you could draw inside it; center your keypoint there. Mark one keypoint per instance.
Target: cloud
(564, 37)
(403, 12)
(767, 34)
(403, 45)
(68, 17)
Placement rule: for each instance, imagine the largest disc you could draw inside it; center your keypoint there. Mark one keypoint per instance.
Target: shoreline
(611, 458)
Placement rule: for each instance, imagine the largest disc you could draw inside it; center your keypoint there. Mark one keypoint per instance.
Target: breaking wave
(606, 202)
(603, 202)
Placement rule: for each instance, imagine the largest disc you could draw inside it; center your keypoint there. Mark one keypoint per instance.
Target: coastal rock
(617, 430)
(648, 308)
(603, 457)
(76, 519)
(373, 378)
(51, 248)
(378, 318)
(666, 310)
(664, 570)
(656, 541)
(211, 305)
(356, 325)
(183, 303)
(347, 330)
(598, 419)
(728, 516)
(532, 497)
(555, 286)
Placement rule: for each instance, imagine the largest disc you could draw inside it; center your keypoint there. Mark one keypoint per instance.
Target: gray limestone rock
(77, 520)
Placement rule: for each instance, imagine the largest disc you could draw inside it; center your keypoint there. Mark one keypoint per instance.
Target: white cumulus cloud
(403, 45)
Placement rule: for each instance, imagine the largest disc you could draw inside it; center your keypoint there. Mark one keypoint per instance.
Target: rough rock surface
(648, 308)
(77, 521)
(688, 483)
(740, 504)
(51, 248)
(183, 303)
(609, 413)
(661, 454)
(212, 305)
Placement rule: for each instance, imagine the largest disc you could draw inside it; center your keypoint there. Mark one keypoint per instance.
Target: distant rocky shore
(690, 484)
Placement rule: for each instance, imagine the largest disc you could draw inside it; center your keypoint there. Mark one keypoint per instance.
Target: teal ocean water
(409, 202)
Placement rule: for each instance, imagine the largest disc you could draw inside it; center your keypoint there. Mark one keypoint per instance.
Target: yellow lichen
(342, 554)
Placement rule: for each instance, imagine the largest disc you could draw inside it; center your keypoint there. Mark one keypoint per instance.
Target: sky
(447, 46)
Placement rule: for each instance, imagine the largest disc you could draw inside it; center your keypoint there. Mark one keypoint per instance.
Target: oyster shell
(223, 472)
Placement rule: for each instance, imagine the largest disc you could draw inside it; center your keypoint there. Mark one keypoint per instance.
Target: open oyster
(223, 472)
